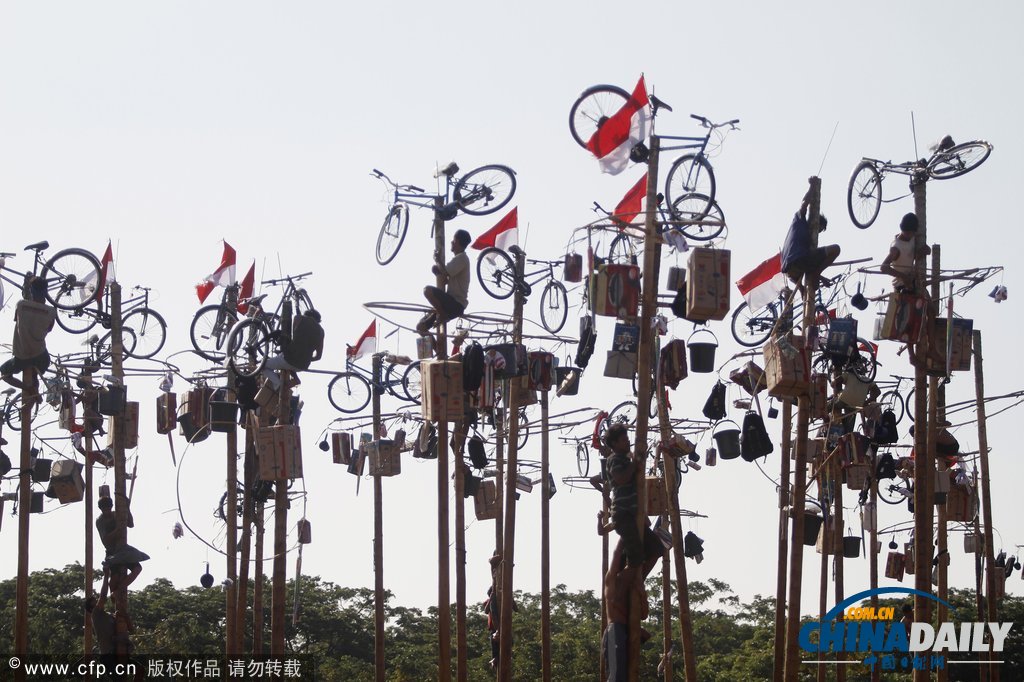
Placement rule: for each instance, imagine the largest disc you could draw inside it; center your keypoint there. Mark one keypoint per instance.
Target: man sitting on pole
(798, 258)
(33, 320)
(449, 303)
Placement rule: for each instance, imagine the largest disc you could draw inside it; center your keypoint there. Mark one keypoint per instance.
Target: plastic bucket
(851, 546)
(223, 415)
(728, 440)
(812, 524)
(702, 353)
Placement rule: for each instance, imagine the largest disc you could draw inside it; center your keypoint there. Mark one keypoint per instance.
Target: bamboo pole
(986, 494)
(24, 509)
(117, 428)
(280, 568)
(242, 594)
(545, 542)
(779, 661)
(649, 308)
(796, 548)
(876, 670)
(821, 668)
(509, 542)
(838, 558)
(979, 591)
(87, 635)
(378, 534)
(231, 531)
(258, 580)
(924, 469)
(461, 661)
(936, 411)
(666, 612)
(444, 609)
(605, 508)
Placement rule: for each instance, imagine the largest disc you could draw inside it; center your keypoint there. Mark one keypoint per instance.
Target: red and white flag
(502, 235)
(367, 343)
(105, 271)
(221, 277)
(632, 204)
(246, 290)
(763, 284)
(623, 130)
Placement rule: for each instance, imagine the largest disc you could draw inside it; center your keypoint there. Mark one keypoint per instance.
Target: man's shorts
(616, 648)
(17, 365)
(450, 308)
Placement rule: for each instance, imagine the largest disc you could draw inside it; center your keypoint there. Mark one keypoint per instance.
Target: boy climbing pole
(449, 303)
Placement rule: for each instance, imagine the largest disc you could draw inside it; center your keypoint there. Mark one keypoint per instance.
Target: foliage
(733, 639)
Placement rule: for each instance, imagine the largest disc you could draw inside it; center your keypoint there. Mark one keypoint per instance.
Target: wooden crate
(657, 500)
(279, 451)
(166, 412)
(66, 481)
(486, 501)
(443, 397)
(787, 367)
(708, 284)
(384, 458)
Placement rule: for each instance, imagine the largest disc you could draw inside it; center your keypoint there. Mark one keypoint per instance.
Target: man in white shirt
(448, 303)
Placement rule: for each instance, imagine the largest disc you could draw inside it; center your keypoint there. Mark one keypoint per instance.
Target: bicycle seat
(38, 246)
(943, 144)
(659, 104)
(448, 171)
(255, 300)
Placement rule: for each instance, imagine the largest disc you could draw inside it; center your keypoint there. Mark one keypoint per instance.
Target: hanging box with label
(166, 412)
(66, 420)
(960, 506)
(486, 501)
(66, 481)
(341, 447)
(657, 504)
(541, 364)
(708, 284)
(904, 318)
(573, 270)
(279, 451)
(442, 396)
(959, 341)
(787, 366)
(616, 290)
(384, 458)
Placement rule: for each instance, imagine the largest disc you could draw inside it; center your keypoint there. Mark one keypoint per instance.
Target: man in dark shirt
(798, 258)
(303, 347)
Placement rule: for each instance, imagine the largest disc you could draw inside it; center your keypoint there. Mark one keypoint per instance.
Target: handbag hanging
(754, 439)
(714, 408)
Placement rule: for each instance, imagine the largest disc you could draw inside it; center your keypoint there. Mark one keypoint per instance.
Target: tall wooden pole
(876, 670)
(924, 466)
(666, 612)
(796, 548)
(279, 585)
(87, 633)
(979, 590)
(461, 657)
(648, 309)
(444, 609)
(512, 471)
(242, 592)
(936, 411)
(545, 543)
(785, 503)
(378, 534)
(231, 531)
(258, 580)
(986, 494)
(606, 509)
(121, 512)
(838, 559)
(24, 509)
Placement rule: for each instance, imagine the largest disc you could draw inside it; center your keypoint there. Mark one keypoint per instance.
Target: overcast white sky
(167, 127)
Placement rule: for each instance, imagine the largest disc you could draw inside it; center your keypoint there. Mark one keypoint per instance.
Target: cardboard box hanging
(708, 284)
(279, 450)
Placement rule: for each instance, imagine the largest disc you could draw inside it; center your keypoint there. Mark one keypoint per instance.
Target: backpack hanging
(588, 336)
(754, 439)
(476, 452)
(885, 429)
(472, 367)
(714, 408)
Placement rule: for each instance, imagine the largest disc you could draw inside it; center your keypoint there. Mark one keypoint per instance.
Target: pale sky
(167, 127)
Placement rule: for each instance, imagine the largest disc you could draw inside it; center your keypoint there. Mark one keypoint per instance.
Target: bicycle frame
(909, 168)
(700, 143)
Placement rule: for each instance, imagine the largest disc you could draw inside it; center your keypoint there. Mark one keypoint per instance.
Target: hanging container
(851, 546)
(727, 440)
(113, 400)
(812, 524)
(223, 415)
(702, 353)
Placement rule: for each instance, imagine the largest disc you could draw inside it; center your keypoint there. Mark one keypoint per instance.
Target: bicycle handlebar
(6, 254)
(708, 124)
(288, 278)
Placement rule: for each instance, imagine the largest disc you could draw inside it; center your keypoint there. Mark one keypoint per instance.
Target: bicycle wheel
(411, 383)
(864, 363)
(959, 160)
(750, 329)
(690, 174)
(909, 402)
(103, 352)
(583, 458)
(592, 108)
(624, 413)
(554, 306)
(150, 332)
(248, 346)
(496, 273)
(210, 329)
(12, 412)
(890, 492)
(349, 392)
(891, 400)
(485, 189)
(694, 206)
(79, 321)
(302, 301)
(72, 279)
(524, 430)
(622, 250)
(392, 233)
(864, 195)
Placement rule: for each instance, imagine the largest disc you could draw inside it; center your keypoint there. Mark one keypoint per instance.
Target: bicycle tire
(248, 346)
(622, 251)
(694, 206)
(554, 306)
(909, 402)
(302, 301)
(864, 194)
(891, 400)
(960, 160)
(104, 348)
(210, 330)
(412, 383)
(583, 459)
(592, 108)
(349, 392)
(150, 332)
(72, 279)
(524, 430)
(391, 378)
(887, 493)
(12, 412)
(79, 321)
(494, 184)
(685, 177)
(496, 273)
(392, 233)
(620, 414)
(864, 364)
(751, 330)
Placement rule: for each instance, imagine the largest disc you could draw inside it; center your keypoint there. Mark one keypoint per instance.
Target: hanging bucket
(728, 440)
(223, 415)
(851, 546)
(113, 401)
(812, 524)
(702, 353)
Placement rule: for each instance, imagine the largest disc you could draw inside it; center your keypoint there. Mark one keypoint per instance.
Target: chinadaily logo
(877, 636)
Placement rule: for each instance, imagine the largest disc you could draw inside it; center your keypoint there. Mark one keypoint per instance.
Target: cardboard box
(384, 458)
(66, 420)
(708, 284)
(657, 500)
(818, 391)
(620, 365)
(341, 447)
(904, 318)
(541, 372)
(442, 396)
(66, 481)
(279, 450)
(855, 391)
(853, 449)
(166, 412)
(959, 341)
(486, 501)
(787, 366)
(616, 290)
(895, 565)
(960, 504)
